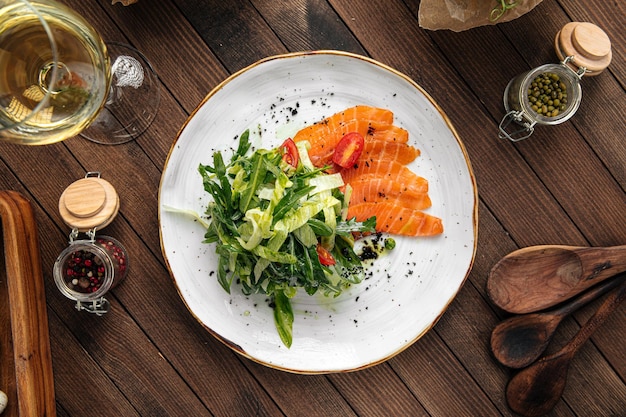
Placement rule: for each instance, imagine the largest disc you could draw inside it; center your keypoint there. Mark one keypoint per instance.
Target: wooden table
(564, 185)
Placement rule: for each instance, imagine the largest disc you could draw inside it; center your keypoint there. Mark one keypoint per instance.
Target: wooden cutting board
(25, 360)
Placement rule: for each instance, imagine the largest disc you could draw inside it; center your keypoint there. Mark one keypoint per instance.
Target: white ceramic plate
(408, 290)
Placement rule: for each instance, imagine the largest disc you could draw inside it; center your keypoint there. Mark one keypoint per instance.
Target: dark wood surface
(565, 185)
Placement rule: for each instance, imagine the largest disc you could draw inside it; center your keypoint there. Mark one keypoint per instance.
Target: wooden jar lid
(589, 45)
(89, 203)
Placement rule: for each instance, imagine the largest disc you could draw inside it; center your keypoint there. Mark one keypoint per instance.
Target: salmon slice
(391, 218)
(400, 152)
(374, 149)
(323, 136)
(387, 170)
(388, 133)
(373, 190)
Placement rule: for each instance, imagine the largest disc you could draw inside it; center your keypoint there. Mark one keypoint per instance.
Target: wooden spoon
(538, 277)
(535, 390)
(520, 340)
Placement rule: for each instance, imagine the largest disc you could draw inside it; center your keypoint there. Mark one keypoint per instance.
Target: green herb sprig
(503, 6)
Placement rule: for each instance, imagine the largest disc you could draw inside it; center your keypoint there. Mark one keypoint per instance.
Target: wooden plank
(368, 399)
(8, 382)
(303, 395)
(181, 59)
(304, 25)
(233, 30)
(148, 381)
(433, 374)
(29, 316)
(82, 385)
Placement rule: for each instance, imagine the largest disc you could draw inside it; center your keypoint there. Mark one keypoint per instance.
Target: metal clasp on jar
(97, 307)
(526, 126)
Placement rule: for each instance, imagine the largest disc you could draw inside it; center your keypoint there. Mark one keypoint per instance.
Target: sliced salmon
(391, 218)
(387, 170)
(323, 136)
(372, 190)
(382, 184)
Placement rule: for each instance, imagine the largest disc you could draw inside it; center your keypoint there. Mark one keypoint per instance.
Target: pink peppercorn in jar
(87, 269)
(91, 265)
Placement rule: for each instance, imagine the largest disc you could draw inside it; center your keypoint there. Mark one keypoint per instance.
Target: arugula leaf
(320, 227)
(346, 227)
(244, 146)
(289, 201)
(257, 174)
(283, 317)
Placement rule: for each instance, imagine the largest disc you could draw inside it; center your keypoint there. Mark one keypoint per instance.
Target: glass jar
(584, 49)
(521, 90)
(91, 265)
(88, 268)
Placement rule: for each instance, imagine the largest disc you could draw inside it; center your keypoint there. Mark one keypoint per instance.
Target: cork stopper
(89, 203)
(589, 45)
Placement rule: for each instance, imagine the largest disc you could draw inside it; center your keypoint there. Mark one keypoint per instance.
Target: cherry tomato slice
(349, 149)
(326, 258)
(290, 152)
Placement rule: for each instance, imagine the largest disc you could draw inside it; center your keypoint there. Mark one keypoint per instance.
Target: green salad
(279, 224)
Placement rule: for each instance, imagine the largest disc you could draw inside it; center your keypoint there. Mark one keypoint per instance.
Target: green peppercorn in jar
(551, 94)
(547, 95)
